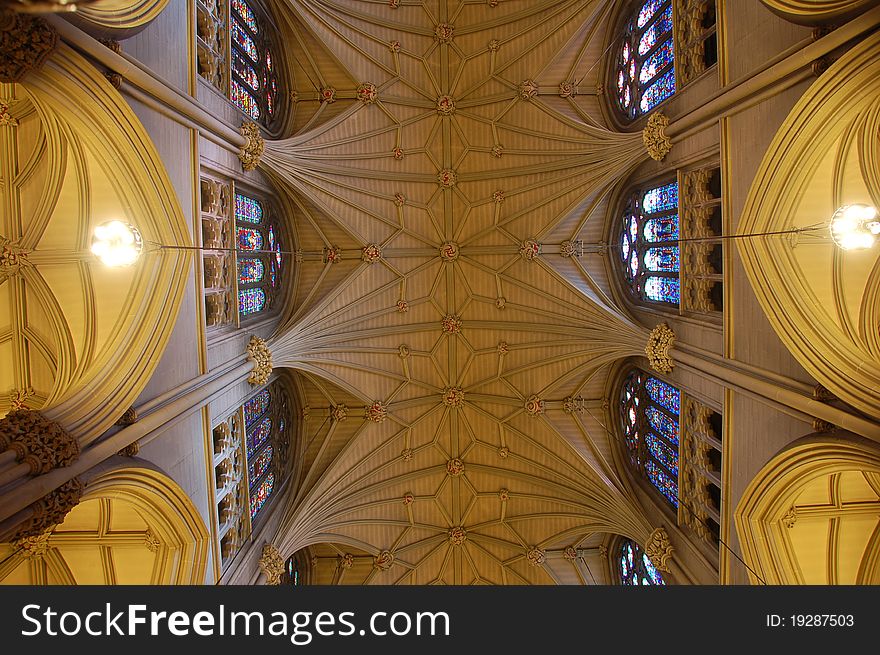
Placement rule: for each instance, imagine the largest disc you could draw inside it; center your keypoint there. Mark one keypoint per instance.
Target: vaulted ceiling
(446, 192)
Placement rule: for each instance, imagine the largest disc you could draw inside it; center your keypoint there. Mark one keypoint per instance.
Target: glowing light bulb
(854, 227)
(117, 244)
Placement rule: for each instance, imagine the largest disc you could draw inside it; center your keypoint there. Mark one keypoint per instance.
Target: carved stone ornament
(346, 560)
(131, 450)
(504, 452)
(26, 41)
(252, 150)
(567, 248)
(403, 351)
(501, 302)
(790, 517)
(498, 197)
(654, 136)
(367, 93)
(332, 255)
(371, 253)
(536, 556)
(408, 499)
(151, 541)
(258, 353)
(407, 454)
(399, 199)
(528, 89)
(445, 105)
(534, 406)
(570, 553)
(494, 45)
(497, 150)
(129, 417)
(503, 348)
(451, 324)
(402, 306)
(603, 551)
(660, 342)
(504, 494)
(659, 549)
(6, 116)
(444, 32)
(457, 536)
(567, 90)
(455, 467)
(33, 547)
(383, 560)
(19, 398)
(271, 564)
(394, 46)
(376, 412)
(453, 396)
(529, 249)
(449, 251)
(328, 95)
(36, 441)
(12, 258)
(338, 412)
(447, 178)
(397, 153)
(51, 509)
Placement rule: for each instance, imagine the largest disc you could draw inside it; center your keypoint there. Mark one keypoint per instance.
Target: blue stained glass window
(251, 301)
(274, 245)
(260, 464)
(261, 494)
(661, 480)
(624, 247)
(661, 89)
(663, 228)
(635, 568)
(248, 209)
(656, 31)
(250, 271)
(258, 436)
(662, 259)
(664, 394)
(662, 452)
(660, 199)
(662, 289)
(245, 71)
(646, 13)
(256, 407)
(241, 38)
(662, 424)
(244, 100)
(246, 15)
(658, 60)
(250, 239)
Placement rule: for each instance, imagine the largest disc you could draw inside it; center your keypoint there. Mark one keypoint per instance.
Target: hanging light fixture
(117, 243)
(855, 227)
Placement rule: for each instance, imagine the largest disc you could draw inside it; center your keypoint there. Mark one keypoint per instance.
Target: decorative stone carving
(306, 412)
(453, 397)
(528, 89)
(690, 47)
(131, 450)
(822, 394)
(457, 536)
(402, 306)
(399, 199)
(455, 467)
(536, 556)
(449, 251)
(497, 150)
(493, 3)
(451, 324)
(129, 417)
(403, 351)
(371, 253)
(603, 551)
(115, 79)
(51, 509)
(823, 426)
(376, 412)
(659, 549)
(534, 406)
(151, 541)
(570, 553)
(444, 32)
(504, 452)
(503, 494)
(394, 4)
(19, 398)
(338, 412)
(252, 150)
(790, 517)
(258, 353)
(38, 442)
(328, 95)
(529, 249)
(445, 105)
(12, 258)
(346, 560)
(407, 454)
(367, 93)
(26, 41)
(383, 561)
(567, 90)
(494, 45)
(503, 348)
(408, 499)
(498, 197)
(397, 153)
(654, 136)
(271, 564)
(660, 342)
(6, 118)
(33, 547)
(447, 178)
(394, 46)
(500, 302)
(331, 255)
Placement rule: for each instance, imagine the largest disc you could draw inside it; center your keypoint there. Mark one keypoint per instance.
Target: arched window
(648, 239)
(245, 70)
(634, 567)
(292, 575)
(259, 273)
(650, 411)
(644, 71)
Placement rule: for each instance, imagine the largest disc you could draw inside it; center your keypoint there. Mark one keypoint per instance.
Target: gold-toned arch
(817, 12)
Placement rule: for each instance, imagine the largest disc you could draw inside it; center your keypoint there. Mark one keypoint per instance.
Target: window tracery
(634, 568)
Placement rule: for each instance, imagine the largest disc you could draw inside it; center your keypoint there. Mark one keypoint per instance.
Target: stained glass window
(260, 258)
(644, 71)
(250, 271)
(251, 301)
(634, 566)
(256, 407)
(260, 494)
(248, 209)
(254, 87)
(649, 421)
(258, 435)
(260, 464)
(250, 238)
(649, 249)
